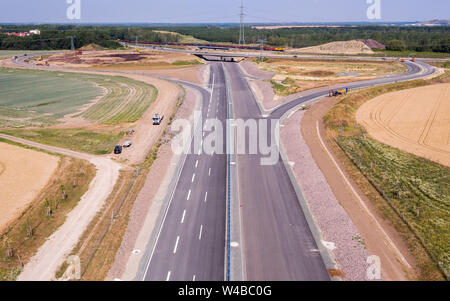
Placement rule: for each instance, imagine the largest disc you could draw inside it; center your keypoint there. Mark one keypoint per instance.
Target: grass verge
(44, 215)
(412, 193)
(79, 140)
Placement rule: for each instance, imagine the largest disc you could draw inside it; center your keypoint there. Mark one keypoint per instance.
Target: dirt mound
(373, 44)
(341, 47)
(92, 47)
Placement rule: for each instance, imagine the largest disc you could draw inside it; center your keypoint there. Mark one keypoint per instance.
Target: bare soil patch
(122, 60)
(23, 173)
(414, 120)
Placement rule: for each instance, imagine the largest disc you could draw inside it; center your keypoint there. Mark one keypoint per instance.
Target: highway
(276, 241)
(191, 242)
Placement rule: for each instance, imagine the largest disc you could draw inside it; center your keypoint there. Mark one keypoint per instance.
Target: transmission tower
(261, 41)
(242, 27)
(72, 46)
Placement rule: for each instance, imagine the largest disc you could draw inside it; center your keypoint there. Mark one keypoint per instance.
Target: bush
(395, 45)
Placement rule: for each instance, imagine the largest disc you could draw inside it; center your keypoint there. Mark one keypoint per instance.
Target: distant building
(24, 34)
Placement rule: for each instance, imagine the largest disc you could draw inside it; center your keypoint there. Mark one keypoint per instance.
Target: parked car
(157, 119)
(127, 143)
(118, 149)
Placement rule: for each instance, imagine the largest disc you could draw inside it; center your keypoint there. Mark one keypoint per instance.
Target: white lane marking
(199, 152)
(184, 214)
(168, 276)
(163, 221)
(176, 245)
(206, 196)
(193, 278)
(196, 164)
(200, 234)
(193, 178)
(394, 247)
(189, 195)
(209, 172)
(212, 88)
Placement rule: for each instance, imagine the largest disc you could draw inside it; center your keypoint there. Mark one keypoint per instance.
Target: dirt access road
(53, 252)
(414, 120)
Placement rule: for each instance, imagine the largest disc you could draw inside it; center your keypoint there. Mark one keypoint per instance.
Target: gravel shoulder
(336, 226)
(373, 234)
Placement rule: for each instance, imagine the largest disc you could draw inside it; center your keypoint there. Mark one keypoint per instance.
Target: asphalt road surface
(191, 244)
(276, 239)
(277, 242)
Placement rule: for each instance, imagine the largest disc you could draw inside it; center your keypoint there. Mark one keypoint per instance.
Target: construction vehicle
(157, 119)
(337, 92)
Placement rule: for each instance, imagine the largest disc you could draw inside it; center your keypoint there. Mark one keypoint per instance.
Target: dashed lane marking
(176, 245)
(184, 214)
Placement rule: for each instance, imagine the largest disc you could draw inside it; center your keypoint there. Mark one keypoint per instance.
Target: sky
(219, 11)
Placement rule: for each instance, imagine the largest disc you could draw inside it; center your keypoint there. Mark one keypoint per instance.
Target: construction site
(105, 173)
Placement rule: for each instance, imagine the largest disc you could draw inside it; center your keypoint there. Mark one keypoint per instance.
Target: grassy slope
(416, 189)
(79, 140)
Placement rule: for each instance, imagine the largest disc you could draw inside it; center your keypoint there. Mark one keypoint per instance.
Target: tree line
(396, 38)
(58, 36)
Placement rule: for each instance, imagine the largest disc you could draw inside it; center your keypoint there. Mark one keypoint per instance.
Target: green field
(417, 189)
(40, 98)
(126, 100)
(92, 142)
